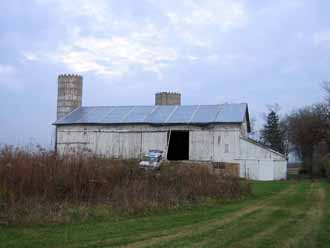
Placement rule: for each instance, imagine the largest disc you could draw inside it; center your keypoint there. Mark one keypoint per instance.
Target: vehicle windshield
(150, 159)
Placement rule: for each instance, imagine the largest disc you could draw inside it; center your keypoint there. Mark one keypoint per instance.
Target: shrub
(42, 180)
(325, 165)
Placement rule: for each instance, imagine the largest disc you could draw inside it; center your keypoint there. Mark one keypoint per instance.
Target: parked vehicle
(152, 160)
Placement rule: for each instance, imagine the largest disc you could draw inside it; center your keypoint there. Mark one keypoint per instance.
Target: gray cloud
(211, 51)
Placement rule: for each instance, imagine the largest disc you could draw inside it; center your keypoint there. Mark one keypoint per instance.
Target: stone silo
(69, 94)
(167, 98)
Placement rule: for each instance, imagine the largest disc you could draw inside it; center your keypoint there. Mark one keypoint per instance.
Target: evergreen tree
(272, 134)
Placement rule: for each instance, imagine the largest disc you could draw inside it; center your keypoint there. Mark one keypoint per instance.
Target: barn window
(219, 165)
(178, 148)
(226, 148)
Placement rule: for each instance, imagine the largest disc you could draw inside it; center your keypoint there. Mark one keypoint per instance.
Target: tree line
(305, 132)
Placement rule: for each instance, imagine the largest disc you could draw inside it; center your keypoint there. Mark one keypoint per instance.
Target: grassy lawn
(279, 214)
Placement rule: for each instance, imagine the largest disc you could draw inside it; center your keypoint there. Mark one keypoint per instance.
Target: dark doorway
(178, 148)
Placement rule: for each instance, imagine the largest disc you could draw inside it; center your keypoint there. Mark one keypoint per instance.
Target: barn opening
(178, 148)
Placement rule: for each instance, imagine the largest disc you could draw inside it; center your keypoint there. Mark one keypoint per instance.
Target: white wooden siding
(107, 143)
(201, 145)
(229, 138)
(154, 140)
(205, 144)
(260, 163)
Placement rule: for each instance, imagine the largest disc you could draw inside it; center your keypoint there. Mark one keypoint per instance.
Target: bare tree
(309, 131)
(326, 110)
(306, 131)
(254, 134)
(326, 87)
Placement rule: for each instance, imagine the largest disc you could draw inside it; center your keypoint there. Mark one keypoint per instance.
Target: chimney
(69, 94)
(168, 98)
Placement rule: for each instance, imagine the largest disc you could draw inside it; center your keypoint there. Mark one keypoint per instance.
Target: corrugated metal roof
(160, 114)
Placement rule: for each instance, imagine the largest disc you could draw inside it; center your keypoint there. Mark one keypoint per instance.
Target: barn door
(178, 148)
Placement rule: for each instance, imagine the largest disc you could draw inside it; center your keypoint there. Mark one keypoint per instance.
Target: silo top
(168, 98)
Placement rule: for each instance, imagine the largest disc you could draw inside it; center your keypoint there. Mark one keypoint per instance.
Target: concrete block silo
(69, 94)
(168, 98)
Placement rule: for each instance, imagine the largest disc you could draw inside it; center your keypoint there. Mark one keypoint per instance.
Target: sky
(211, 51)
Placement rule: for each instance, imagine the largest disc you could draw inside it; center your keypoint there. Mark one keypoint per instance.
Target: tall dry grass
(40, 179)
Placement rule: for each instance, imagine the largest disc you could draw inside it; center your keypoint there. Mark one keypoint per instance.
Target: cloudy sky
(212, 51)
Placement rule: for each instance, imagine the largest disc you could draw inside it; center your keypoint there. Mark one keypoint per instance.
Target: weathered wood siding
(154, 140)
(205, 144)
(250, 150)
(260, 163)
(217, 143)
(107, 143)
(201, 145)
(226, 145)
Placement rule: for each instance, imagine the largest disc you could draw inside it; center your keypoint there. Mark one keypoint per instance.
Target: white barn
(210, 133)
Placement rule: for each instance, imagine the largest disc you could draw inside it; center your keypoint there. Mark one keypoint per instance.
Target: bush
(44, 181)
(325, 165)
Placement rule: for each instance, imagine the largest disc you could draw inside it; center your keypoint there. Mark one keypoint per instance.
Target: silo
(168, 98)
(69, 94)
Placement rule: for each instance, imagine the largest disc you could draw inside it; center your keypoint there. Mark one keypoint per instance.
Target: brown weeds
(43, 180)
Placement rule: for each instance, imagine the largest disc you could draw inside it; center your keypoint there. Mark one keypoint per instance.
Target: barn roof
(158, 115)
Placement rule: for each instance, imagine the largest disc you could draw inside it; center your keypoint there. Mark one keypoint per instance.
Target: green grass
(323, 234)
(278, 214)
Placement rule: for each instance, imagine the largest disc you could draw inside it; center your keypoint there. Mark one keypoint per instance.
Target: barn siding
(130, 145)
(218, 143)
(244, 129)
(254, 151)
(280, 169)
(226, 145)
(108, 143)
(154, 140)
(260, 163)
(201, 145)
(133, 141)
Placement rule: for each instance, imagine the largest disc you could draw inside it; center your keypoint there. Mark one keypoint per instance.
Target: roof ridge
(150, 105)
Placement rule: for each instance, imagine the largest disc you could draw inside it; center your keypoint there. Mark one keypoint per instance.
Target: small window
(226, 148)
(219, 165)
(219, 140)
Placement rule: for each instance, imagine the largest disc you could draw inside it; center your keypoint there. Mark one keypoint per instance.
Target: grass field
(279, 214)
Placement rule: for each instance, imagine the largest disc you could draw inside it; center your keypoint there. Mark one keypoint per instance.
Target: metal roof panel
(182, 114)
(160, 114)
(206, 113)
(138, 114)
(96, 114)
(231, 113)
(118, 114)
(74, 115)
